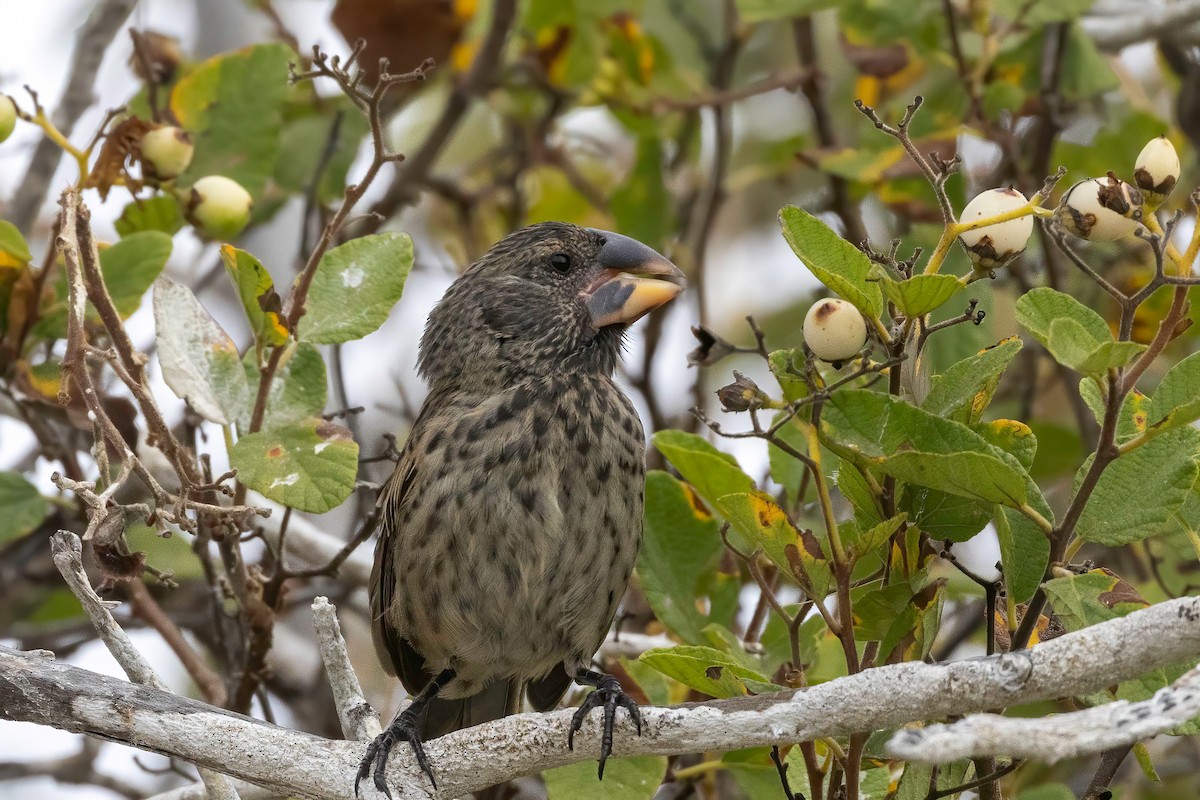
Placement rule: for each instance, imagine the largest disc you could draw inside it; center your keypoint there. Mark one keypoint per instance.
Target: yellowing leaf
(257, 292)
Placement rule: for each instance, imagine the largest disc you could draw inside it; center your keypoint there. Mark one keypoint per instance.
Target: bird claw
(608, 695)
(405, 728)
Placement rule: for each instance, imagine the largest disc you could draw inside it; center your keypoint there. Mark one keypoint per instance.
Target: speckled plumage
(512, 522)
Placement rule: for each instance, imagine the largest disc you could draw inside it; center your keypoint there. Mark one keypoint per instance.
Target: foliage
(823, 531)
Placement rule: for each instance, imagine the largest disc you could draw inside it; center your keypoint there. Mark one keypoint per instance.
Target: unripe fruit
(1101, 209)
(1157, 169)
(8, 116)
(993, 246)
(166, 152)
(834, 330)
(219, 207)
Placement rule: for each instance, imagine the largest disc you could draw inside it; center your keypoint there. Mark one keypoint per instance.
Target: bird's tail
(499, 699)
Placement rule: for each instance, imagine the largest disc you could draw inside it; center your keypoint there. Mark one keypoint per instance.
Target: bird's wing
(545, 692)
(395, 653)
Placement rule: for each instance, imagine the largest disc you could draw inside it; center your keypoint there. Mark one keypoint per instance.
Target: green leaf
(1038, 308)
(22, 507)
(1012, 436)
(1042, 12)
(1176, 401)
(857, 491)
(1074, 334)
(170, 553)
(654, 685)
(310, 465)
(159, 213)
(232, 104)
(765, 10)
(681, 546)
(635, 778)
(642, 204)
(758, 778)
(355, 287)
(707, 670)
(1024, 549)
(303, 144)
(1049, 791)
(965, 389)
(766, 526)
(12, 243)
(199, 361)
(1135, 409)
(914, 783)
(874, 537)
(838, 264)
(713, 473)
(912, 445)
(298, 391)
(1098, 596)
(257, 292)
(787, 470)
(943, 516)
(131, 266)
(782, 363)
(1086, 72)
(920, 294)
(1139, 494)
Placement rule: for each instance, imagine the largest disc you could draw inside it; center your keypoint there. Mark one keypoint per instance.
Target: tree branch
(34, 689)
(90, 46)
(359, 720)
(67, 553)
(410, 175)
(1054, 738)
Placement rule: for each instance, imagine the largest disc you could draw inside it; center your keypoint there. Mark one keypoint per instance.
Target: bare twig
(409, 178)
(67, 553)
(91, 45)
(359, 720)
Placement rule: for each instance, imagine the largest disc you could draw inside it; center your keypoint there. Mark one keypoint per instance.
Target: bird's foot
(608, 695)
(404, 728)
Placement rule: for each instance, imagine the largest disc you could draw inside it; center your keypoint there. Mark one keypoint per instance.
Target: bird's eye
(561, 262)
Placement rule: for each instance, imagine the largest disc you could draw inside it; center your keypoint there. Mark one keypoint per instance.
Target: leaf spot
(286, 481)
(352, 276)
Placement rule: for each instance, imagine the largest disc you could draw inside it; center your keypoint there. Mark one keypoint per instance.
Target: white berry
(166, 152)
(8, 116)
(1157, 168)
(219, 207)
(1101, 209)
(993, 246)
(834, 330)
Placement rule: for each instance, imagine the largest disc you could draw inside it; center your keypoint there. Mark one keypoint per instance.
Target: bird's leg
(609, 695)
(406, 727)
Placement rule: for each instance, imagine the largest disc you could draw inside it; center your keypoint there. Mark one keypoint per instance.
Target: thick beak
(624, 292)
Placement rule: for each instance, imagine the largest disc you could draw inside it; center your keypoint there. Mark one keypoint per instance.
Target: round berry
(8, 116)
(1100, 209)
(166, 152)
(219, 207)
(1157, 168)
(993, 246)
(834, 330)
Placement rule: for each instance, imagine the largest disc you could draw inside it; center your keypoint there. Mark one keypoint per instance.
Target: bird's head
(548, 298)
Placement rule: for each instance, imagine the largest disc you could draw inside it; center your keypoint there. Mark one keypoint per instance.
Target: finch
(511, 524)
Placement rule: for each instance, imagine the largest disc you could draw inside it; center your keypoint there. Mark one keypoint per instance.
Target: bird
(510, 526)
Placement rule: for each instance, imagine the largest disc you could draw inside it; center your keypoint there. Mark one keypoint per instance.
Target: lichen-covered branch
(35, 689)
(1056, 737)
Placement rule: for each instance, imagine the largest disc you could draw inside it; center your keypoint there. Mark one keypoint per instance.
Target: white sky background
(753, 273)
